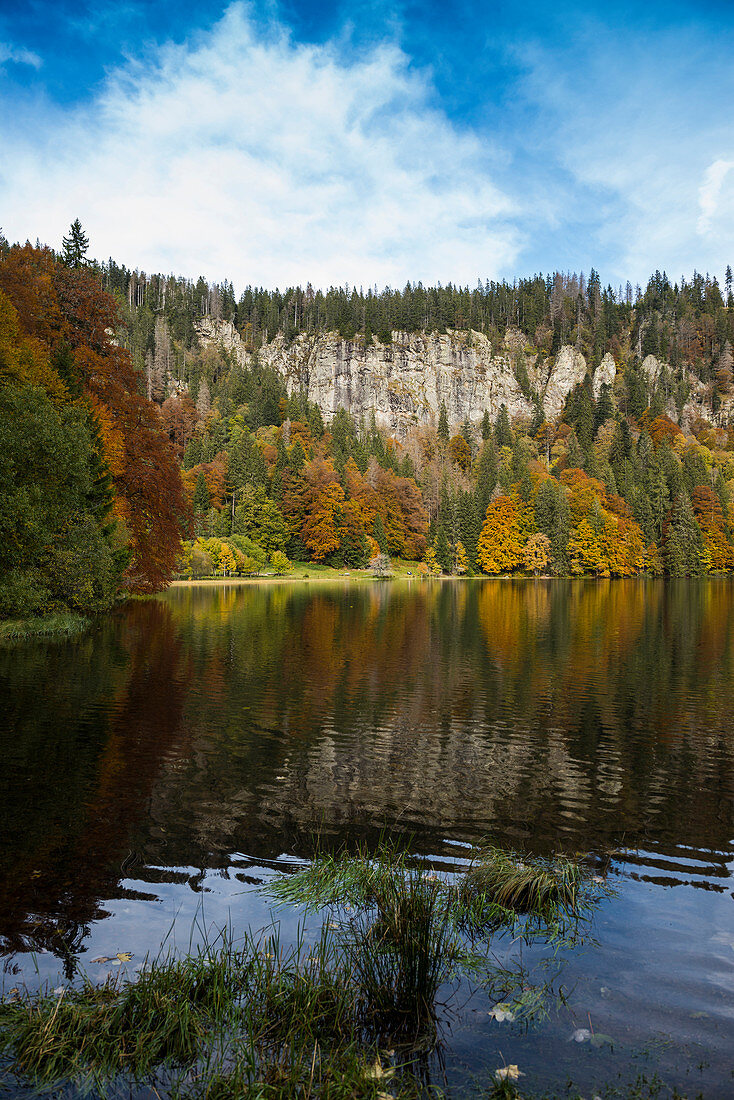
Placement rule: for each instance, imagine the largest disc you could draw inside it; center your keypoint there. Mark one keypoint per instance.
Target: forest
(131, 453)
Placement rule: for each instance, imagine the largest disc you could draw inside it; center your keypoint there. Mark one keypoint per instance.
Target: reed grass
(264, 1019)
(62, 625)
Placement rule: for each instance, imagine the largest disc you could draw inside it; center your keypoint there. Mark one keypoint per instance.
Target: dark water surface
(154, 772)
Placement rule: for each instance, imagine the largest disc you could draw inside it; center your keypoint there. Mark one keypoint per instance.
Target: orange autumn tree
(500, 548)
(710, 515)
(74, 319)
(323, 499)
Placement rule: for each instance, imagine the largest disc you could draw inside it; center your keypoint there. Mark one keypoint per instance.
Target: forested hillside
(118, 422)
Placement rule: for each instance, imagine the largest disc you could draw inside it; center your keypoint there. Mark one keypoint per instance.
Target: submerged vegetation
(352, 1013)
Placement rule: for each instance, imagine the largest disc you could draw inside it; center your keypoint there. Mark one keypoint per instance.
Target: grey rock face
(569, 369)
(404, 383)
(651, 368)
(604, 374)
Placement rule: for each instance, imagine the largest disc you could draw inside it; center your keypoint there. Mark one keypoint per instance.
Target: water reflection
(245, 719)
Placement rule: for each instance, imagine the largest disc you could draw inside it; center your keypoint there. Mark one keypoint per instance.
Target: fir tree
(443, 424)
(502, 429)
(442, 549)
(75, 245)
(202, 498)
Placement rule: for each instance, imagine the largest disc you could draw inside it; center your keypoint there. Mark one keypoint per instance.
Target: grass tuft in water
(62, 625)
(267, 1020)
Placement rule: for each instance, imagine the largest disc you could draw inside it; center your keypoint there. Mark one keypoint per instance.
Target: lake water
(158, 770)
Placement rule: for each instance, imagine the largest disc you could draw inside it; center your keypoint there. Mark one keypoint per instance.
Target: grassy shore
(64, 625)
(309, 571)
(353, 1015)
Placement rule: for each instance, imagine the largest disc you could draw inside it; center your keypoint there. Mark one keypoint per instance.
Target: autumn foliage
(62, 314)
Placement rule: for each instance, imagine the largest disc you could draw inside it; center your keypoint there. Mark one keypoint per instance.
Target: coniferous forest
(131, 453)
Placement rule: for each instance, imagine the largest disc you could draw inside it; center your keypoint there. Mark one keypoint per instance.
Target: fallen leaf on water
(500, 1013)
(598, 880)
(124, 956)
(103, 959)
(508, 1073)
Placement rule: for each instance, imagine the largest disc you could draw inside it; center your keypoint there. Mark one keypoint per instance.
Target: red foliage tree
(64, 307)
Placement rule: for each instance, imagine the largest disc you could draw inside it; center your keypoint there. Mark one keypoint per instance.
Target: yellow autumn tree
(461, 561)
(585, 551)
(430, 561)
(500, 547)
(537, 553)
(227, 560)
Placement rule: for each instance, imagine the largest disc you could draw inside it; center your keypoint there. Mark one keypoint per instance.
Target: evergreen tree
(469, 525)
(75, 245)
(604, 409)
(443, 424)
(379, 534)
(442, 549)
(502, 429)
(487, 471)
(684, 551)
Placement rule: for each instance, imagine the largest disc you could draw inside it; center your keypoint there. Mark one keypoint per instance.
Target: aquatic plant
(62, 625)
(271, 1020)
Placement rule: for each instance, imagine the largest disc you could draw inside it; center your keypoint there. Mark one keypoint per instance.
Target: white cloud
(242, 154)
(18, 56)
(631, 119)
(710, 194)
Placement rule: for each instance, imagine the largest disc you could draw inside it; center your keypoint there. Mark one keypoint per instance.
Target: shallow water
(157, 770)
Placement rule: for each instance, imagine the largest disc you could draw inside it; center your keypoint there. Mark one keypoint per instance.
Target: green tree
(260, 518)
(502, 429)
(442, 549)
(57, 548)
(280, 563)
(202, 498)
(75, 245)
(443, 424)
(683, 549)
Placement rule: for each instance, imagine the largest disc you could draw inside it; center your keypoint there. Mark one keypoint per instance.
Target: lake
(158, 770)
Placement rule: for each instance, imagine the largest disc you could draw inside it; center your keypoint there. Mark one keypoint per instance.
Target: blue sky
(372, 143)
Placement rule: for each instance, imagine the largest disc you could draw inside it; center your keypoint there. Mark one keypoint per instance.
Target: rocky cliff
(404, 382)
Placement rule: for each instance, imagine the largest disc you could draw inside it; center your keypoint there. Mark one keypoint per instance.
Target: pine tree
(684, 551)
(502, 429)
(442, 549)
(75, 245)
(202, 498)
(379, 534)
(443, 424)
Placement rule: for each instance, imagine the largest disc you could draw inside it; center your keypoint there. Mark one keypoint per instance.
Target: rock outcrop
(604, 374)
(568, 370)
(405, 382)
